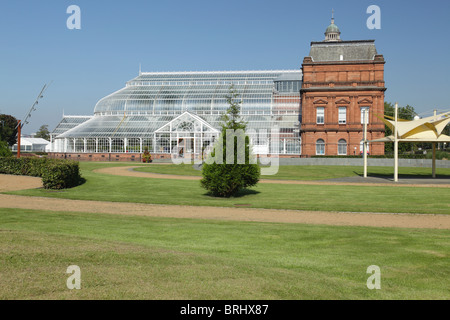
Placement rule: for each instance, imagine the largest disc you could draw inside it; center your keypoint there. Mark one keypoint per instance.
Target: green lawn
(308, 172)
(125, 257)
(277, 196)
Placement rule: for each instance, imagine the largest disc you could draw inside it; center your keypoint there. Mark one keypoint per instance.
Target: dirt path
(14, 183)
(8, 182)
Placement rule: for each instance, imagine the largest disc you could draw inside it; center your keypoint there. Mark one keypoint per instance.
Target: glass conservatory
(180, 112)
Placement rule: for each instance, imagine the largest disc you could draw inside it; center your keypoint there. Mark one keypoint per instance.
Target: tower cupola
(332, 34)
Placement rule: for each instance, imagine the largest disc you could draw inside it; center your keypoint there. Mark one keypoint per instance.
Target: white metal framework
(186, 134)
(169, 112)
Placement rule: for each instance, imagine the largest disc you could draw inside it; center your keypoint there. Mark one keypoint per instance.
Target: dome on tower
(332, 28)
(332, 33)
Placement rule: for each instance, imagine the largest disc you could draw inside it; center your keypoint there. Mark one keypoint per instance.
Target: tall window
(366, 110)
(342, 147)
(320, 147)
(320, 115)
(342, 115)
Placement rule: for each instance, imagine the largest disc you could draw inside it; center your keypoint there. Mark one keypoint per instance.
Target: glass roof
(177, 92)
(151, 100)
(69, 122)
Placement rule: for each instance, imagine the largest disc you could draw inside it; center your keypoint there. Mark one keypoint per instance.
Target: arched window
(342, 147)
(320, 147)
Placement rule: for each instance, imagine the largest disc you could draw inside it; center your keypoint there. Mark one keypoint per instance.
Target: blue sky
(198, 35)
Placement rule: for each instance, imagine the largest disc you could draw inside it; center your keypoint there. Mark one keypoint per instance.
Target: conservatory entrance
(186, 136)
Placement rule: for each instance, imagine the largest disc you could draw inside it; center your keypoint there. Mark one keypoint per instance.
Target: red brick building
(341, 80)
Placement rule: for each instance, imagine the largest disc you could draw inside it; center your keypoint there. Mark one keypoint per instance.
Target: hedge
(386, 156)
(440, 155)
(55, 173)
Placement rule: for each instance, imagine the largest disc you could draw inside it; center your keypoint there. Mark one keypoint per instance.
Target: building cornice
(342, 42)
(337, 89)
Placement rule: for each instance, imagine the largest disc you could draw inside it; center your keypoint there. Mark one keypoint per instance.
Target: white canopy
(419, 130)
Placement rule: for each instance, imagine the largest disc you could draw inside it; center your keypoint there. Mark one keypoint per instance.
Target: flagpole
(19, 132)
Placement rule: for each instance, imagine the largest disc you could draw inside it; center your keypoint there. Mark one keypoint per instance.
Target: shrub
(439, 155)
(61, 175)
(227, 179)
(23, 166)
(55, 173)
(146, 157)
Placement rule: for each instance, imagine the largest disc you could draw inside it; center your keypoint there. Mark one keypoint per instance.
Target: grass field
(274, 196)
(131, 257)
(123, 257)
(308, 172)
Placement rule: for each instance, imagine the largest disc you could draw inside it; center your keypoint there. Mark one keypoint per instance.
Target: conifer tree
(228, 171)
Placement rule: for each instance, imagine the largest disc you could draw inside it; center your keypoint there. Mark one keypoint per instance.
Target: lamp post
(433, 161)
(20, 123)
(365, 142)
(396, 145)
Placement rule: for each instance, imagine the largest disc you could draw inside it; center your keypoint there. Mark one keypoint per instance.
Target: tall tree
(43, 132)
(226, 173)
(8, 130)
(4, 149)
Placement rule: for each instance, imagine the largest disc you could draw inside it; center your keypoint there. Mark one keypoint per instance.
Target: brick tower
(341, 81)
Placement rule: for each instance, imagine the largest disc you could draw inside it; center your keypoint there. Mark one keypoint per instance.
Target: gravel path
(405, 220)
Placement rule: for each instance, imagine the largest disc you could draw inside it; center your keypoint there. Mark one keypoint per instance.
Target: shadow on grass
(81, 181)
(403, 176)
(242, 193)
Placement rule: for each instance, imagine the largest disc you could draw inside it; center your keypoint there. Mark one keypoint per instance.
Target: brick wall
(130, 157)
(136, 157)
(337, 84)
